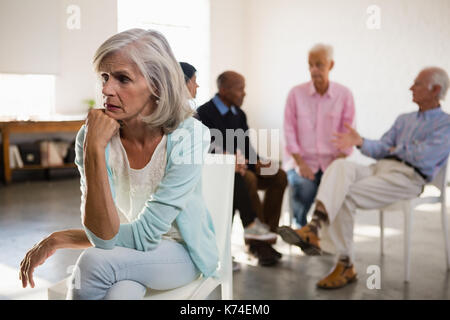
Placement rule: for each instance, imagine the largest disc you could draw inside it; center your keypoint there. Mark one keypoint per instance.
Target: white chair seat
(58, 291)
(193, 291)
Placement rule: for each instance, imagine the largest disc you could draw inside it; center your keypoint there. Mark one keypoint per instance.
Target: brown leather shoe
(339, 277)
(307, 240)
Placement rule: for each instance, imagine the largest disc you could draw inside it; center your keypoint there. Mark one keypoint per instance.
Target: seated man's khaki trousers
(269, 210)
(347, 186)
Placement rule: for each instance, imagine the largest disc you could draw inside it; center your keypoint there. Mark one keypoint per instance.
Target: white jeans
(347, 186)
(123, 273)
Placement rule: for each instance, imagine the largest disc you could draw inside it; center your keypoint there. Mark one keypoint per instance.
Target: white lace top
(134, 187)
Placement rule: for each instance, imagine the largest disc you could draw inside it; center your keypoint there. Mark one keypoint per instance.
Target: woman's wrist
(68, 239)
(60, 240)
(55, 240)
(94, 156)
(95, 149)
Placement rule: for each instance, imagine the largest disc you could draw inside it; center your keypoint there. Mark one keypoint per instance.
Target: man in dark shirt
(229, 133)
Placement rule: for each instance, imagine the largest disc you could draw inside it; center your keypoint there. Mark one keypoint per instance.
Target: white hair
(438, 77)
(320, 47)
(152, 54)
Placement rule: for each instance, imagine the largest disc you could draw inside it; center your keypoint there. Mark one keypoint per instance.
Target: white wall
(188, 37)
(29, 34)
(77, 81)
(227, 31)
(378, 66)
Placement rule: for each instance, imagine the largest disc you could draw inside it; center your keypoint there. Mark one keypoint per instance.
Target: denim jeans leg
(302, 194)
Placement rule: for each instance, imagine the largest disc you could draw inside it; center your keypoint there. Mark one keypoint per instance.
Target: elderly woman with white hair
(409, 155)
(145, 222)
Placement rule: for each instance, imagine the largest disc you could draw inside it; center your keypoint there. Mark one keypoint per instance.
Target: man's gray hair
(320, 47)
(152, 54)
(438, 77)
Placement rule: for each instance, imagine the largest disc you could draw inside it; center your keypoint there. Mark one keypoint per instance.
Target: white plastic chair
(407, 206)
(217, 185)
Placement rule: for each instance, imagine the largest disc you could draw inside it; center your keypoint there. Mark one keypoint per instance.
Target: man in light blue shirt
(408, 156)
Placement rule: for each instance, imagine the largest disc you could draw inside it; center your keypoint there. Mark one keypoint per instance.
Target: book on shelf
(53, 153)
(15, 160)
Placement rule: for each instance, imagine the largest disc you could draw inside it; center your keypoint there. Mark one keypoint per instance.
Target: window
(24, 97)
(185, 24)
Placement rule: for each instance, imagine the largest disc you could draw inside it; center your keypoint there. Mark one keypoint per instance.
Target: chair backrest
(440, 181)
(218, 185)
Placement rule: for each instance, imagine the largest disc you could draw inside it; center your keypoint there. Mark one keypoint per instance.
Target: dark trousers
(269, 209)
(241, 201)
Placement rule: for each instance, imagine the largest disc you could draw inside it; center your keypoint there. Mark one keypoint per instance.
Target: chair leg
(407, 242)
(227, 291)
(445, 229)
(291, 213)
(289, 206)
(381, 232)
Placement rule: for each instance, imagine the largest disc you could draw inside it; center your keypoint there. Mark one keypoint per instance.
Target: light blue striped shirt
(420, 138)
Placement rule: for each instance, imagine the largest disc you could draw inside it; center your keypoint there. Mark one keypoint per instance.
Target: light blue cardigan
(177, 197)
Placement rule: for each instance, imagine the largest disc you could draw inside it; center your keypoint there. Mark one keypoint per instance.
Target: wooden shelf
(9, 127)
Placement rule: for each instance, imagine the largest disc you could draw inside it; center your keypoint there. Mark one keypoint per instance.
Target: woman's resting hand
(35, 257)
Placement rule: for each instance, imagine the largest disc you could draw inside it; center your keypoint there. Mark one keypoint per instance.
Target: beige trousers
(347, 186)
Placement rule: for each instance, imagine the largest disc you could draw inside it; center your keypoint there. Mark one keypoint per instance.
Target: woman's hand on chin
(100, 128)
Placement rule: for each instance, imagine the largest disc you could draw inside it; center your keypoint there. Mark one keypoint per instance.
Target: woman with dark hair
(190, 76)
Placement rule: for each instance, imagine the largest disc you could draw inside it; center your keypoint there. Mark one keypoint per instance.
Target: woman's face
(125, 89)
(192, 86)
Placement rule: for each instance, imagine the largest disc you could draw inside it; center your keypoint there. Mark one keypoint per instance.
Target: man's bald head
(231, 87)
(228, 79)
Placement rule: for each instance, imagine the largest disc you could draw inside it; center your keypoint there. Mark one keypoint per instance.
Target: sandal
(339, 277)
(307, 240)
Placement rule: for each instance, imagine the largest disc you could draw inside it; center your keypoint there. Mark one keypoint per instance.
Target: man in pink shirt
(314, 111)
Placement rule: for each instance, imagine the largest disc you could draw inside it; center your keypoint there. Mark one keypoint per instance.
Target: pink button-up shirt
(310, 121)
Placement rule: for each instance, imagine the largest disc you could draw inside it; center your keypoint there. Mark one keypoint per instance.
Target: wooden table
(8, 127)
